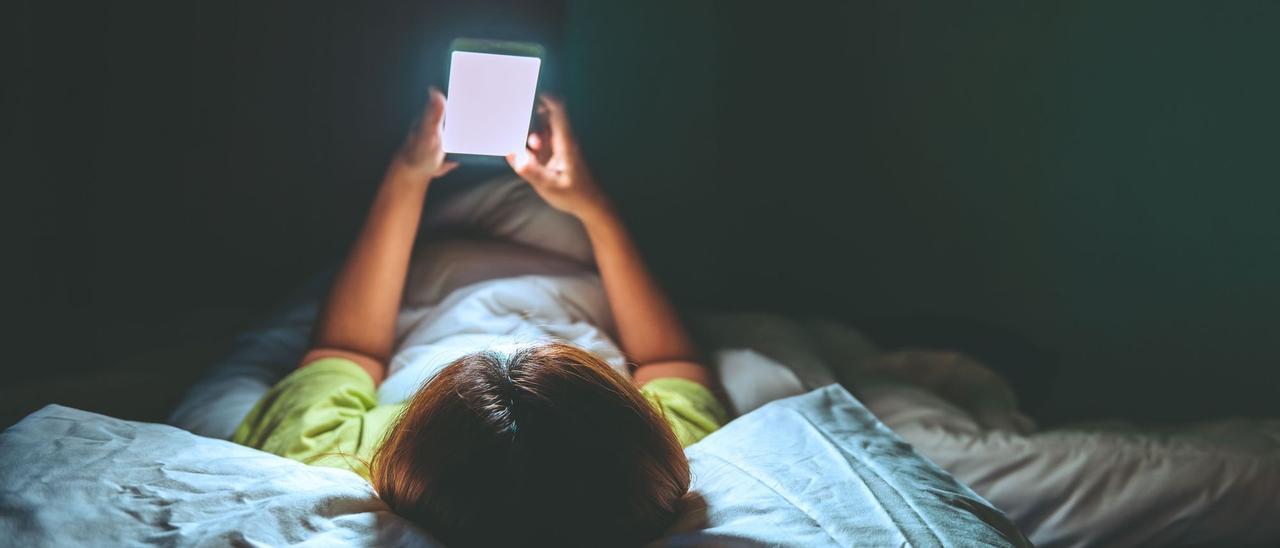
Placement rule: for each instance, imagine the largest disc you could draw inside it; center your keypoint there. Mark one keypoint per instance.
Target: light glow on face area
(490, 101)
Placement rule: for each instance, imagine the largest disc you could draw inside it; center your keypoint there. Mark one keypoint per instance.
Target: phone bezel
(498, 47)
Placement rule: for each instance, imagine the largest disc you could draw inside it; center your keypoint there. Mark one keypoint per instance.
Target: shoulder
(690, 408)
(318, 409)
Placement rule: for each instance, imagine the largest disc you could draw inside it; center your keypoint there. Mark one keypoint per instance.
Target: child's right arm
(358, 320)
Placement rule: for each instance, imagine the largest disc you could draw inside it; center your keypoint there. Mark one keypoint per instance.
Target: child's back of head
(546, 446)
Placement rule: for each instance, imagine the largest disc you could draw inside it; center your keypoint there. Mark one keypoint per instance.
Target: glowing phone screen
(490, 101)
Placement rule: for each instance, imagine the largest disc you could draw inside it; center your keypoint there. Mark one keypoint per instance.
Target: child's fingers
(558, 119)
(524, 166)
(445, 168)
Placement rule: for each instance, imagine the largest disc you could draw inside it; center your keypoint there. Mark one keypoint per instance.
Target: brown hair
(545, 446)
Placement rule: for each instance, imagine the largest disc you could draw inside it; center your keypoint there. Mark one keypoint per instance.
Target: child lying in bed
(542, 443)
(525, 271)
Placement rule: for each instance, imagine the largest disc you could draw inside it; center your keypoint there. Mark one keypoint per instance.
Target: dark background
(1081, 193)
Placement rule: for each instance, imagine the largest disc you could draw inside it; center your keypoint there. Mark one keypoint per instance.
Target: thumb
(433, 114)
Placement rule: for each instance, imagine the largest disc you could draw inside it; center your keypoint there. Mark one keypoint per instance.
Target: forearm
(649, 329)
(360, 313)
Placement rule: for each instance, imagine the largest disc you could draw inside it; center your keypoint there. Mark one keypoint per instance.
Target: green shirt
(327, 414)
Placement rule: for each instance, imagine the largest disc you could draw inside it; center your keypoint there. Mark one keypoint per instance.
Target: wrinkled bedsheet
(812, 470)
(1212, 484)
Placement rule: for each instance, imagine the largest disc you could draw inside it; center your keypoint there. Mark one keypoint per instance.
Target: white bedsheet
(1214, 484)
(1211, 484)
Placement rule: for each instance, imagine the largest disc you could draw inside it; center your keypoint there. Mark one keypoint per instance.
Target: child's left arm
(358, 319)
(649, 328)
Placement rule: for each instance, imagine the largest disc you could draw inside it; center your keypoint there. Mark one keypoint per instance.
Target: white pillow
(811, 470)
(74, 478)
(820, 470)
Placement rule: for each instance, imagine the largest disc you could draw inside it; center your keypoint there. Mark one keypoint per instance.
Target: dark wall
(172, 169)
(1086, 186)
(1093, 182)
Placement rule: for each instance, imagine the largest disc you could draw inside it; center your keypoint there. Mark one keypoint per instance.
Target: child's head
(548, 445)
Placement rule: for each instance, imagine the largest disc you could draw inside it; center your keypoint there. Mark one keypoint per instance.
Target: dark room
(641, 273)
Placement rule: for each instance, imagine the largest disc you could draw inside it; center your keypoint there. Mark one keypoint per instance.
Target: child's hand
(554, 166)
(422, 155)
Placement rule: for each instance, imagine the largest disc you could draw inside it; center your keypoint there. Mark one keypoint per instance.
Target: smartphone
(492, 88)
